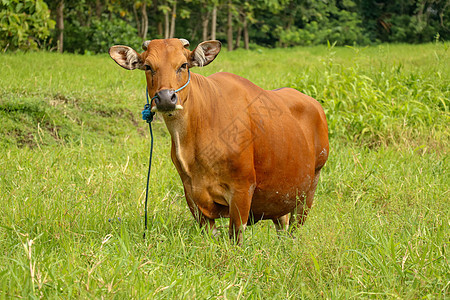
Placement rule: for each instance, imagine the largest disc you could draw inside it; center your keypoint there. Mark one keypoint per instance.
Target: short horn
(145, 45)
(185, 43)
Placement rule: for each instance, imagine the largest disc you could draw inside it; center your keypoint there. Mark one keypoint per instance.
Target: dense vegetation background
(88, 26)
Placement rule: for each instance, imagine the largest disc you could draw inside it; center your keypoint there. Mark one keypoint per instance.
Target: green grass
(74, 154)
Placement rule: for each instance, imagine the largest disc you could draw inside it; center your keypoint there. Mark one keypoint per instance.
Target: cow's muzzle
(166, 100)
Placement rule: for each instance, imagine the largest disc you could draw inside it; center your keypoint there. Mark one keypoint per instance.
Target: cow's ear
(126, 57)
(204, 53)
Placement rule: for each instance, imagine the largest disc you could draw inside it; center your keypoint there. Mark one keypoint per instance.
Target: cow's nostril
(173, 99)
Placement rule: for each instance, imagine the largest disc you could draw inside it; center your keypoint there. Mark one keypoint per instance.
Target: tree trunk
(159, 28)
(238, 37)
(214, 22)
(166, 25)
(205, 22)
(136, 18)
(246, 39)
(174, 16)
(230, 27)
(60, 25)
(144, 22)
(156, 13)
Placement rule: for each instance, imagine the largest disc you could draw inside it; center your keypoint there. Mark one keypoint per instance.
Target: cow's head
(166, 64)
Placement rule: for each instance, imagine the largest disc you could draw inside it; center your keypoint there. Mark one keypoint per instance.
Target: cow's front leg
(204, 222)
(239, 213)
(209, 225)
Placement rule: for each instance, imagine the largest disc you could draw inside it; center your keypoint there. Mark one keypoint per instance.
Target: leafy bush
(24, 24)
(99, 35)
(345, 28)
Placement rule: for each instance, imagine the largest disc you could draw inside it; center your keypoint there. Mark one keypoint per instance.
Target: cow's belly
(285, 166)
(275, 198)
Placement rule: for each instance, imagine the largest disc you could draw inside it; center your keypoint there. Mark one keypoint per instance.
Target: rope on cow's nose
(185, 85)
(147, 115)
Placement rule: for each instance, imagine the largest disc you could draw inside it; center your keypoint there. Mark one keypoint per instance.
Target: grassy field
(73, 165)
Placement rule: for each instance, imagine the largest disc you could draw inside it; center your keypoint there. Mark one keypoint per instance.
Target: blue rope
(147, 115)
(185, 85)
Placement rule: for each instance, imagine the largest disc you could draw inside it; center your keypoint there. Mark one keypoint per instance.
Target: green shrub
(99, 35)
(24, 24)
(345, 28)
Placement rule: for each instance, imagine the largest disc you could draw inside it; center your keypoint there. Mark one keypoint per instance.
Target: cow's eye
(183, 67)
(148, 68)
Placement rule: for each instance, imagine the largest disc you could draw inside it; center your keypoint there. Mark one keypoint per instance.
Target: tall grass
(386, 102)
(73, 166)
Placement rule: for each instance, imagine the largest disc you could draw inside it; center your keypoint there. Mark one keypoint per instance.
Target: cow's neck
(178, 131)
(183, 124)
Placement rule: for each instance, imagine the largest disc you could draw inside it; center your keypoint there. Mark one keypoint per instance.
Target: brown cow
(242, 152)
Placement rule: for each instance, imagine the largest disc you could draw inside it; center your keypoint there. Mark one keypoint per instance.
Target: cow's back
(276, 115)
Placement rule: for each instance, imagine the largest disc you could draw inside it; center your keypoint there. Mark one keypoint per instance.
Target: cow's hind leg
(304, 204)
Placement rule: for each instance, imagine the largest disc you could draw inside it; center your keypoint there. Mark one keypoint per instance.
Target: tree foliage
(24, 24)
(93, 25)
